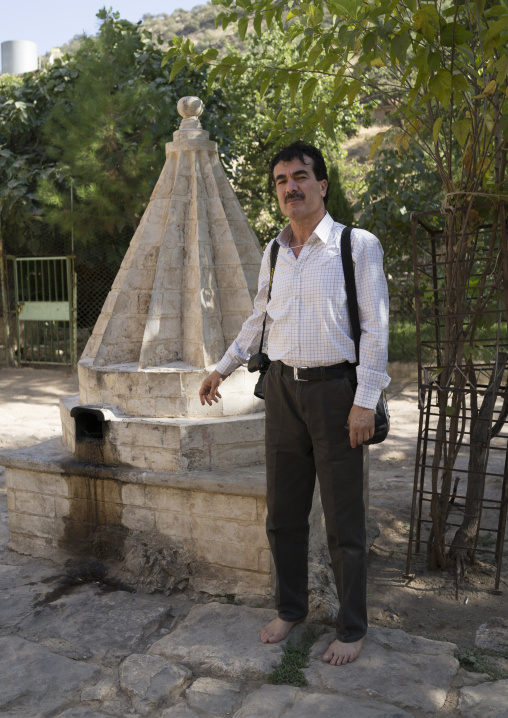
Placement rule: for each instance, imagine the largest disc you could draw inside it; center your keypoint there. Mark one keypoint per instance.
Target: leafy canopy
(253, 111)
(440, 68)
(107, 133)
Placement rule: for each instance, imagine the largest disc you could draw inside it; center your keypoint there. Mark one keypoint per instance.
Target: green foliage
(440, 68)
(473, 661)
(397, 186)
(402, 345)
(295, 657)
(24, 103)
(338, 205)
(251, 129)
(96, 122)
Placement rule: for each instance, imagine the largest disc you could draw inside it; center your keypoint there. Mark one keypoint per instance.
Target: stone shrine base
(203, 529)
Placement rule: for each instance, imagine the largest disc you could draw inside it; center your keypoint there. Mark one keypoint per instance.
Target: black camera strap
(349, 277)
(273, 261)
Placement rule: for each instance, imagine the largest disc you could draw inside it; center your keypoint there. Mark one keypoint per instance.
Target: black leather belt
(317, 373)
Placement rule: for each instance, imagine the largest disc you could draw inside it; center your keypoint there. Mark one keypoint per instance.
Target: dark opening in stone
(89, 423)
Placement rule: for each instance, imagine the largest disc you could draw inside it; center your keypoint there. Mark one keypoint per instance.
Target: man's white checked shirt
(308, 321)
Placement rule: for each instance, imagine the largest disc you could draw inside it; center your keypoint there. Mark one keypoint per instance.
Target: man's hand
(361, 425)
(208, 391)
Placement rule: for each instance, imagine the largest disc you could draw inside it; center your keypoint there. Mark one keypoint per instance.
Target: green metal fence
(45, 297)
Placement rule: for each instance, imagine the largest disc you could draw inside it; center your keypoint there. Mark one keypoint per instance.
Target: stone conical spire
(189, 276)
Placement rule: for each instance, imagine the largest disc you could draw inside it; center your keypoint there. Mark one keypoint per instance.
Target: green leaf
(313, 55)
(440, 85)
(353, 90)
(496, 28)
(329, 127)
(436, 129)
(434, 61)
(458, 36)
(264, 85)
(257, 23)
(339, 7)
(459, 82)
(503, 124)
(327, 61)
(320, 112)
(488, 90)
(376, 143)
(210, 54)
(228, 19)
(460, 129)
(406, 74)
(269, 13)
(212, 76)
(399, 47)
(293, 82)
(338, 96)
(369, 42)
(502, 68)
(281, 77)
(295, 12)
(243, 24)
(308, 92)
(422, 24)
(178, 66)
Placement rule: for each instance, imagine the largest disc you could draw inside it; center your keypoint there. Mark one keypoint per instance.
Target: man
(319, 404)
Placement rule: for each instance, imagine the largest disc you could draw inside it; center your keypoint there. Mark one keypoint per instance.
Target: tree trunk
(465, 539)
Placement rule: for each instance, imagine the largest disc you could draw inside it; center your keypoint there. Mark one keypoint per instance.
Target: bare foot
(277, 630)
(339, 653)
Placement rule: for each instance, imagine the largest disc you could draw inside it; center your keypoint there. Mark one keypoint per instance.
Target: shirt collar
(323, 231)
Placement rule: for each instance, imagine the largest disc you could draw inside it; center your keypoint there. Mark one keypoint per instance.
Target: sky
(51, 23)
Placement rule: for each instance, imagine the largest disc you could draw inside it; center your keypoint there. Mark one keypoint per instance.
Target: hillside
(197, 24)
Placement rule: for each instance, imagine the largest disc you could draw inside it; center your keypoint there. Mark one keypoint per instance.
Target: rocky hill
(197, 24)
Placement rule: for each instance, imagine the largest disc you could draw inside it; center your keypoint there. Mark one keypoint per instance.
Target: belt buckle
(295, 373)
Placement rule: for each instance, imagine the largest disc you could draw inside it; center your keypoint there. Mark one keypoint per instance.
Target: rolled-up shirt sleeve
(247, 342)
(372, 292)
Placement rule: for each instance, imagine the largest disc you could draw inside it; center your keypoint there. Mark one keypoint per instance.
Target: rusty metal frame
(427, 261)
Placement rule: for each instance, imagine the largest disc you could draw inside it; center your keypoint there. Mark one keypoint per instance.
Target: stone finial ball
(190, 107)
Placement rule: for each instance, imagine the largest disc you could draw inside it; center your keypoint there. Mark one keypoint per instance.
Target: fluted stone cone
(189, 276)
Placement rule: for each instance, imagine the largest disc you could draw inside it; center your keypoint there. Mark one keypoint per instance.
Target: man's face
(300, 194)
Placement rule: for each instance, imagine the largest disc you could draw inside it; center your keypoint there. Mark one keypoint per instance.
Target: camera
(259, 362)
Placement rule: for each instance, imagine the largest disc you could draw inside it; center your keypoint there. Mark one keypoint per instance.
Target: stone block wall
(173, 444)
(166, 392)
(57, 511)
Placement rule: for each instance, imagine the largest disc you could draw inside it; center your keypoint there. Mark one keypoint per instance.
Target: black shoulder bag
(382, 417)
(260, 361)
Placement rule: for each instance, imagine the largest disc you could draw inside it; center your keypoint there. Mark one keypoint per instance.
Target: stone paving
(80, 649)
(72, 647)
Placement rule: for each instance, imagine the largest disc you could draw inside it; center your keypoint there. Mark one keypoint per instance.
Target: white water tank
(19, 56)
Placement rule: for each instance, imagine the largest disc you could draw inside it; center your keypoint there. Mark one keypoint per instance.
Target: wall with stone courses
(223, 533)
(166, 392)
(196, 255)
(174, 444)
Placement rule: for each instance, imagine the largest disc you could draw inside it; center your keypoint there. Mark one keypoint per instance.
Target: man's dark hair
(299, 150)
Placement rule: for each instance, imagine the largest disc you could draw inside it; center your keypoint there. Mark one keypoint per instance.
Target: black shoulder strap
(274, 251)
(349, 276)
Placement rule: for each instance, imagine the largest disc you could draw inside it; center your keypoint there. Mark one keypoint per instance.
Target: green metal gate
(45, 293)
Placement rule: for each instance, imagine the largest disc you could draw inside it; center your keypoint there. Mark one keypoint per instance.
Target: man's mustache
(295, 195)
